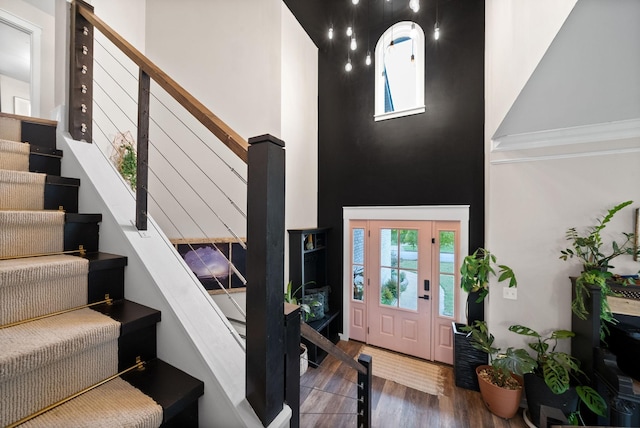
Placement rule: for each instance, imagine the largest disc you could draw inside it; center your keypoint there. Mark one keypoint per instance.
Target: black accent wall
(432, 158)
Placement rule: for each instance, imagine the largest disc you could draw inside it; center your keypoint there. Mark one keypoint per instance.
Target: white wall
(534, 194)
(43, 100)
(299, 126)
(10, 88)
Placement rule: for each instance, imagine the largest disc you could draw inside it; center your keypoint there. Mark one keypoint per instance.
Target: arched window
(400, 53)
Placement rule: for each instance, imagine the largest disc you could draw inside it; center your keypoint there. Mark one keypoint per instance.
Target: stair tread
(45, 151)
(82, 218)
(169, 386)
(101, 261)
(61, 181)
(115, 403)
(131, 315)
(52, 339)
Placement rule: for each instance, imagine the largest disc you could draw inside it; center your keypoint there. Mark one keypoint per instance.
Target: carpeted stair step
(176, 391)
(17, 156)
(114, 404)
(31, 232)
(25, 233)
(20, 190)
(35, 286)
(36, 131)
(44, 361)
(14, 155)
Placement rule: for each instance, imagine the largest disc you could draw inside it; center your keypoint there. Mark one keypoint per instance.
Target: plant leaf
(526, 331)
(592, 399)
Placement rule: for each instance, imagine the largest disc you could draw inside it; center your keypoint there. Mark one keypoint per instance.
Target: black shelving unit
(308, 270)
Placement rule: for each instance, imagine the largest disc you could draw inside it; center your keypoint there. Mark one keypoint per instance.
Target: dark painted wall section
(433, 158)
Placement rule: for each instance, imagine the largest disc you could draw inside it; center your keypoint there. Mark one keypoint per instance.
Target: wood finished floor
(327, 399)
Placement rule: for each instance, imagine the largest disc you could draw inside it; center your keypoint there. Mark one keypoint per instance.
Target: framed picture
(21, 106)
(210, 260)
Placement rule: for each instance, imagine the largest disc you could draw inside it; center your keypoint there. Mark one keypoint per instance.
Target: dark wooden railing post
(142, 168)
(265, 277)
(292, 362)
(81, 74)
(364, 393)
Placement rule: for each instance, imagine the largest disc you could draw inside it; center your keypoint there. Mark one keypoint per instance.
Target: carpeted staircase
(98, 362)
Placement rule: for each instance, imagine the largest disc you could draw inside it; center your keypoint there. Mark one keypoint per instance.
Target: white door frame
(435, 212)
(35, 33)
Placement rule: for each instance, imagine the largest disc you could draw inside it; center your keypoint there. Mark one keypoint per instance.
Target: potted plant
(501, 381)
(596, 257)
(477, 269)
(475, 273)
(550, 383)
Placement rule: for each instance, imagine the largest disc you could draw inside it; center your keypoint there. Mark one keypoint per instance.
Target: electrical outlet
(510, 293)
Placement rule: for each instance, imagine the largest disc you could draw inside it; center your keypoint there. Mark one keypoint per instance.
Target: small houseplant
(124, 157)
(477, 269)
(596, 257)
(500, 381)
(551, 381)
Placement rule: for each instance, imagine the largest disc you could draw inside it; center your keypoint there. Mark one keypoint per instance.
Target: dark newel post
(80, 74)
(265, 277)
(142, 168)
(292, 363)
(364, 392)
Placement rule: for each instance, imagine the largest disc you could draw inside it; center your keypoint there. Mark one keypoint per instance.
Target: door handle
(425, 297)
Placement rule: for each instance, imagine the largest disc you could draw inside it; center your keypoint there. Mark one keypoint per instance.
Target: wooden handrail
(228, 136)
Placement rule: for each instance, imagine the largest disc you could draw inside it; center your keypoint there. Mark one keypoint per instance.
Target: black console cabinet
(308, 270)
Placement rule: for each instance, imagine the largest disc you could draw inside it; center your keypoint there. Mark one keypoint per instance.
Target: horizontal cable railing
(114, 107)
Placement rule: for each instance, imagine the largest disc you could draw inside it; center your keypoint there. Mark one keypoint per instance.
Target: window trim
(399, 30)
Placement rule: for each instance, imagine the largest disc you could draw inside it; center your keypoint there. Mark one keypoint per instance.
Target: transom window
(399, 68)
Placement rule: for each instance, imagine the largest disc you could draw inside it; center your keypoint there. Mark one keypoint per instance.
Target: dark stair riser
(137, 330)
(106, 276)
(61, 191)
(45, 161)
(82, 229)
(38, 134)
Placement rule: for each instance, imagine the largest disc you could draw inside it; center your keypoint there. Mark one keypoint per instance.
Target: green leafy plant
(290, 297)
(477, 269)
(503, 363)
(589, 247)
(124, 157)
(559, 368)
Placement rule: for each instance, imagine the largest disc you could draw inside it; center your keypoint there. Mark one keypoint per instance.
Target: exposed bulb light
(355, 1)
(436, 31)
(354, 44)
(367, 60)
(414, 5)
(348, 67)
(413, 32)
(349, 31)
(330, 32)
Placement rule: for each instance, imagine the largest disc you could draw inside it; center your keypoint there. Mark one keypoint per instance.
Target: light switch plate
(510, 293)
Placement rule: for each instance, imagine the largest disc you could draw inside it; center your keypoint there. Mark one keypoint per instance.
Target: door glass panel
(446, 274)
(389, 247)
(408, 290)
(399, 249)
(388, 287)
(357, 266)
